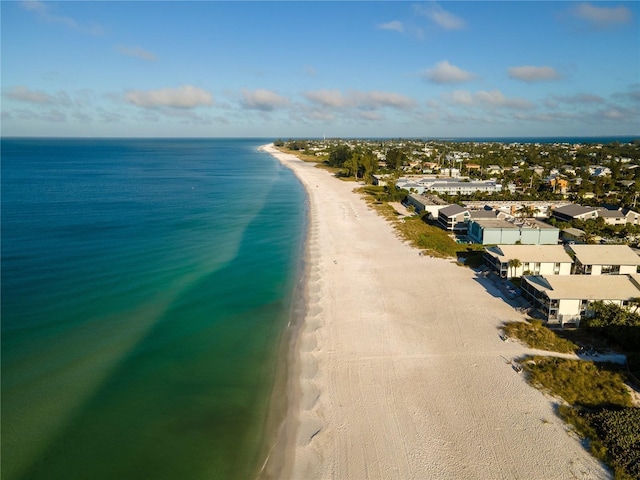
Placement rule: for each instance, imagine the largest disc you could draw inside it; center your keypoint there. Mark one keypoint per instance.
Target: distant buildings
(448, 185)
(572, 211)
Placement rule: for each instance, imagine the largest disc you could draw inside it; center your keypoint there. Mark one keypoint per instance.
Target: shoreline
(398, 370)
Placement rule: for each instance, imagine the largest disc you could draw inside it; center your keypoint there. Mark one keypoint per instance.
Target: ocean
(146, 286)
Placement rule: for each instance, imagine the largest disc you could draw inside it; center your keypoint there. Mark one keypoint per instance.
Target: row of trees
(598, 227)
(620, 325)
(359, 162)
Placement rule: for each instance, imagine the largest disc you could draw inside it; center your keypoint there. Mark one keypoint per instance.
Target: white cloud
(262, 99)
(376, 99)
(394, 25)
(462, 97)
(362, 100)
(52, 115)
(578, 99)
(136, 52)
(495, 98)
(43, 11)
(602, 17)
(445, 74)
(185, 96)
(488, 99)
(24, 94)
(327, 98)
(441, 17)
(321, 116)
(529, 73)
(370, 116)
(631, 95)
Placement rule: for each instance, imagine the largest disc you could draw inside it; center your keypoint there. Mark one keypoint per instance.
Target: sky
(312, 69)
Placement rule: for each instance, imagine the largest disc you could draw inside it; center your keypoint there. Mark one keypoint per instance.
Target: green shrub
(578, 382)
(536, 335)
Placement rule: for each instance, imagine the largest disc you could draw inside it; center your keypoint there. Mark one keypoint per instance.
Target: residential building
(503, 232)
(447, 185)
(531, 260)
(516, 208)
(604, 260)
(573, 235)
(380, 179)
(599, 171)
(454, 218)
(573, 211)
(619, 217)
(612, 217)
(430, 204)
(557, 184)
(567, 299)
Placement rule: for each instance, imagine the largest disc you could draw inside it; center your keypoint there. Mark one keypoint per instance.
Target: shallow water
(145, 286)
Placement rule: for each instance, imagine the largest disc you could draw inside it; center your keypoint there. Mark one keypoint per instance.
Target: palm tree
(514, 263)
(635, 303)
(527, 211)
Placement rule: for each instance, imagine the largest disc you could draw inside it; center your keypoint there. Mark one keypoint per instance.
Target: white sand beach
(400, 370)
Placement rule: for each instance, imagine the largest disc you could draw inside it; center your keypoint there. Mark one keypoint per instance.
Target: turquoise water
(145, 287)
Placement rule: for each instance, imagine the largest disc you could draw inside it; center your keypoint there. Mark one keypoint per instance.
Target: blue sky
(308, 69)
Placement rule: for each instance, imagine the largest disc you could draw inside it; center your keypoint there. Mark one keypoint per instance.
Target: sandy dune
(401, 373)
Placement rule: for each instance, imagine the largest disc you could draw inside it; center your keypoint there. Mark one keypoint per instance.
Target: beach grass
(577, 382)
(597, 404)
(613, 436)
(430, 239)
(534, 334)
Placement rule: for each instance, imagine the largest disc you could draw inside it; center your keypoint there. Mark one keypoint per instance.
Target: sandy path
(402, 371)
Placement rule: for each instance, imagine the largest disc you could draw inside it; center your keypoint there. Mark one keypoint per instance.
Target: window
(610, 269)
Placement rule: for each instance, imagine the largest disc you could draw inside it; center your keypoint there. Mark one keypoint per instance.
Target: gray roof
(605, 255)
(427, 200)
(452, 210)
(587, 287)
(576, 232)
(494, 223)
(574, 210)
(477, 214)
(604, 213)
(500, 223)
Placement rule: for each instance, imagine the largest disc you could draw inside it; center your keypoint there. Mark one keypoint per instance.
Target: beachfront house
(604, 260)
(454, 218)
(380, 179)
(563, 300)
(510, 232)
(430, 204)
(573, 211)
(509, 261)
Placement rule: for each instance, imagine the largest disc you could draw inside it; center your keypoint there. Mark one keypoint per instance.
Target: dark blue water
(145, 288)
